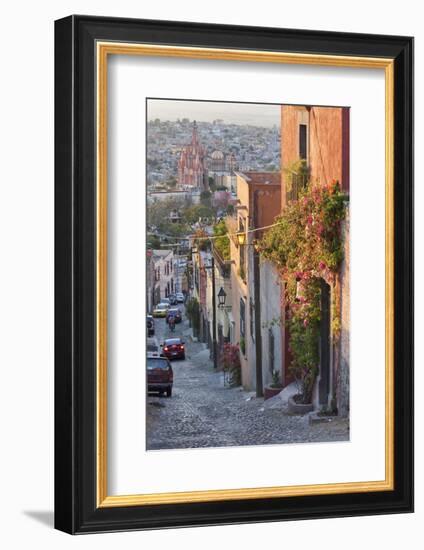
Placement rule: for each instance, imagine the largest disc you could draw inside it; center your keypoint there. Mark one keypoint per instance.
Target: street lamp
(222, 295)
(241, 238)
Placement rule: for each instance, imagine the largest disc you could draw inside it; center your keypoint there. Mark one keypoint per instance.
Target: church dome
(217, 155)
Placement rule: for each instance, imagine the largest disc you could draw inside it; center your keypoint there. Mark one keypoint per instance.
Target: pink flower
(305, 322)
(309, 220)
(322, 265)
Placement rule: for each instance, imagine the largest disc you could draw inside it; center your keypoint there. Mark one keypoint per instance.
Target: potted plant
(305, 358)
(231, 365)
(275, 387)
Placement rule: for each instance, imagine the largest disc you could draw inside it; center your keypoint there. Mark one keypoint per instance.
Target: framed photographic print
(234, 274)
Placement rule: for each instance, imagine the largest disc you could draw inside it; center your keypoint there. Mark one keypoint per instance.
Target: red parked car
(173, 348)
(159, 375)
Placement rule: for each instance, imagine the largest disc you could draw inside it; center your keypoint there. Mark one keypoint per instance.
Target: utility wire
(212, 237)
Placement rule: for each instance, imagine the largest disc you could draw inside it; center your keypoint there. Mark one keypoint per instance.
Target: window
(242, 318)
(251, 319)
(242, 252)
(303, 147)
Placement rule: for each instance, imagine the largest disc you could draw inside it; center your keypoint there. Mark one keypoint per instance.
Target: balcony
(297, 184)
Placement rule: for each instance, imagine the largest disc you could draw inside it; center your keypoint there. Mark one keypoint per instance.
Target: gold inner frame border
(103, 50)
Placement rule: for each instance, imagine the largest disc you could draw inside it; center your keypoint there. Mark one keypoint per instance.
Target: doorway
(324, 364)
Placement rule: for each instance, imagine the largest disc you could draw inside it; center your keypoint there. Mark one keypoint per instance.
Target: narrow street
(204, 413)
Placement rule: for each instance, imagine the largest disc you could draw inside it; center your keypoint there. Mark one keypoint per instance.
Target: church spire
(195, 137)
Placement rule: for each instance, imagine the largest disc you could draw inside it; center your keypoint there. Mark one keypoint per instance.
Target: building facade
(220, 167)
(163, 270)
(320, 137)
(272, 329)
(258, 203)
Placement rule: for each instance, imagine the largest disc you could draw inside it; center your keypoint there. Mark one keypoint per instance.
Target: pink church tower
(192, 169)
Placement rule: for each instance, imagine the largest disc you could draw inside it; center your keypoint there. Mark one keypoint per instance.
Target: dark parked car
(175, 313)
(159, 375)
(173, 299)
(173, 348)
(150, 326)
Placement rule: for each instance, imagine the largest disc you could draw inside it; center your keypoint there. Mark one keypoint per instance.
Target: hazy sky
(207, 111)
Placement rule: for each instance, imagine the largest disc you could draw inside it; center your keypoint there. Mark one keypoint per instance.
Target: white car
(180, 297)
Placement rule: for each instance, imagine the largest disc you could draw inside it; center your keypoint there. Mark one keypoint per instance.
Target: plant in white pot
(275, 387)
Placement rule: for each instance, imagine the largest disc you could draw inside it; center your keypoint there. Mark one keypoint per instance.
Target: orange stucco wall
(325, 153)
(328, 142)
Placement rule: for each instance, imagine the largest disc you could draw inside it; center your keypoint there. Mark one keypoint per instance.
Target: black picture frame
(76, 510)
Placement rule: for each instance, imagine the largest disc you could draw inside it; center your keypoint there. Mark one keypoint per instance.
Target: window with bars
(242, 318)
(303, 141)
(242, 252)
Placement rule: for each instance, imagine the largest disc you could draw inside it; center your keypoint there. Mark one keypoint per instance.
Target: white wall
(26, 277)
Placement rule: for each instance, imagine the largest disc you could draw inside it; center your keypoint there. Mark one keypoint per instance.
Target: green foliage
(222, 243)
(192, 311)
(297, 175)
(241, 272)
(171, 183)
(159, 211)
(205, 198)
(201, 241)
(307, 246)
(276, 382)
(243, 345)
(174, 229)
(153, 241)
(193, 213)
(230, 209)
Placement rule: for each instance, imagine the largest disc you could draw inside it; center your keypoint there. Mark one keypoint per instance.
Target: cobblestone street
(204, 413)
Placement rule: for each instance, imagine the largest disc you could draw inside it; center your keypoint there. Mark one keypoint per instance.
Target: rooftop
(261, 178)
(162, 253)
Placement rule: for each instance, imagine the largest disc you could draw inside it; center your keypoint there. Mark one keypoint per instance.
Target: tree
(171, 182)
(230, 209)
(222, 242)
(159, 211)
(193, 213)
(205, 198)
(153, 241)
(201, 240)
